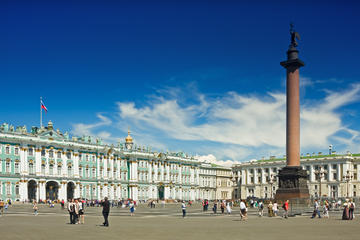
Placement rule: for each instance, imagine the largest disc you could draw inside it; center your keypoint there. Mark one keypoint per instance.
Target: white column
(23, 162)
(76, 165)
(180, 174)
(42, 190)
(338, 173)
(255, 176)
(150, 173)
(167, 167)
(77, 190)
(38, 161)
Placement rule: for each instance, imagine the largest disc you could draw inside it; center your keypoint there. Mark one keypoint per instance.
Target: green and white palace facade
(46, 164)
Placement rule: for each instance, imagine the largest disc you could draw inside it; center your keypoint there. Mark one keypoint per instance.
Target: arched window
(31, 168)
(51, 169)
(69, 171)
(59, 170)
(51, 153)
(43, 169)
(8, 170)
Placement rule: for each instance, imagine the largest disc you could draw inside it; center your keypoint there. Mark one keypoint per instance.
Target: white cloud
(80, 129)
(243, 125)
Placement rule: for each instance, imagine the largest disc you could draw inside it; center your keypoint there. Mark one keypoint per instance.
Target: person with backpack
(261, 208)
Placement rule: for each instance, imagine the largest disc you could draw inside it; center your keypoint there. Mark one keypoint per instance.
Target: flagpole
(40, 113)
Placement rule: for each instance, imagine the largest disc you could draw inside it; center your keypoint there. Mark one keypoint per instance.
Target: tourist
(6, 206)
(76, 211)
(326, 209)
(351, 209)
(82, 211)
(275, 209)
(132, 208)
(106, 211)
(222, 206)
(260, 208)
(270, 209)
(183, 208)
(215, 207)
(1, 207)
(228, 208)
(286, 209)
(346, 212)
(316, 209)
(71, 210)
(62, 203)
(243, 210)
(35, 208)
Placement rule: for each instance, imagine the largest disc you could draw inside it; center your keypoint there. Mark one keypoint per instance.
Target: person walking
(286, 209)
(316, 209)
(106, 211)
(346, 211)
(275, 209)
(260, 208)
(351, 209)
(82, 211)
(183, 208)
(132, 208)
(243, 210)
(35, 208)
(270, 209)
(215, 207)
(228, 208)
(1, 207)
(222, 206)
(76, 211)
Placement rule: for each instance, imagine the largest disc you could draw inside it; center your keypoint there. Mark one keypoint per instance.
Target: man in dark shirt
(106, 211)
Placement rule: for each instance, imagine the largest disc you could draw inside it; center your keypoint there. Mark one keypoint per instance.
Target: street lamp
(320, 173)
(348, 177)
(272, 180)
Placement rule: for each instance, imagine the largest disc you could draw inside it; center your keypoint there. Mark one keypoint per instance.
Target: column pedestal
(292, 183)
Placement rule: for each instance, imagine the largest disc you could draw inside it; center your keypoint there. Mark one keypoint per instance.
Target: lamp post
(348, 177)
(272, 180)
(320, 173)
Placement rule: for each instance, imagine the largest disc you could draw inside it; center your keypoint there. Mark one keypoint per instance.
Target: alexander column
(292, 178)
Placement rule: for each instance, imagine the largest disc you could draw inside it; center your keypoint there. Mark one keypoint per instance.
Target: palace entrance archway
(70, 190)
(32, 186)
(52, 189)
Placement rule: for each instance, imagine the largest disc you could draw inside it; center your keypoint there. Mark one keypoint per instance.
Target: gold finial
(128, 139)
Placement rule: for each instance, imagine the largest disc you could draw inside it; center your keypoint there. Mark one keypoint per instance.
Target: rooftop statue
(294, 36)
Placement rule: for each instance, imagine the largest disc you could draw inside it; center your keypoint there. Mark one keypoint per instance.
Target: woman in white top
(228, 208)
(275, 208)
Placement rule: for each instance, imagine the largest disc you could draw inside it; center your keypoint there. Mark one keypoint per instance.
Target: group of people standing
(76, 209)
(349, 208)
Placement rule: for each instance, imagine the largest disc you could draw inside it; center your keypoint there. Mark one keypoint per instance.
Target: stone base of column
(292, 184)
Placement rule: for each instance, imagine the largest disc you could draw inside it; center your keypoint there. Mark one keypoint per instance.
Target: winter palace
(47, 164)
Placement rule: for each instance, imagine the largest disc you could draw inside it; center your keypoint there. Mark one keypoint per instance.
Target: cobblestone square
(167, 223)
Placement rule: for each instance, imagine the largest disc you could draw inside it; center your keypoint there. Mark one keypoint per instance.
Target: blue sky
(198, 76)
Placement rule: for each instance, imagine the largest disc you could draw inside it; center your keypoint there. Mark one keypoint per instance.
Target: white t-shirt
(242, 205)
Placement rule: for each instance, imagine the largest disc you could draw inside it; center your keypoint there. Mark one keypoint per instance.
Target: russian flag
(43, 106)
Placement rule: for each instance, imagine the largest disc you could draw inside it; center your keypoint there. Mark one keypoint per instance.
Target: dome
(50, 125)
(128, 139)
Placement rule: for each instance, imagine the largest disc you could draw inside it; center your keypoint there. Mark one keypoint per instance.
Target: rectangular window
(8, 167)
(17, 190)
(58, 154)
(16, 151)
(334, 176)
(51, 154)
(7, 150)
(59, 170)
(51, 169)
(8, 189)
(93, 173)
(43, 153)
(31, 151)
(17, 170)
(43, 169)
